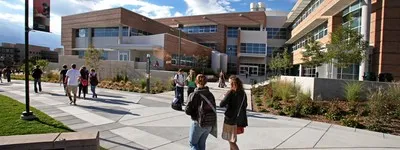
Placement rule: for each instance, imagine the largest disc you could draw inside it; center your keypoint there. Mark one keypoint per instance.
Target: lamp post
(180, 26)
(148, 73)
(27, 114)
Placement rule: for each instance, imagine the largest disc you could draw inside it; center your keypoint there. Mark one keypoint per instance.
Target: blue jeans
(93, 89)
(198, 136)
(179, 94)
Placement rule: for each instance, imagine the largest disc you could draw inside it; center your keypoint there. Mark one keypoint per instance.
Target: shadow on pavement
(110, 96)
(111, 101)
(125, 145)
(108, 110)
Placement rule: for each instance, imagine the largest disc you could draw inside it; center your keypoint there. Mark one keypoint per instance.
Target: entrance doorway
(252, 70)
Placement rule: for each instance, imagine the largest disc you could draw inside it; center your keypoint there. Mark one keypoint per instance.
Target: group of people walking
(75, 80)
(6, 72)
(201, 107)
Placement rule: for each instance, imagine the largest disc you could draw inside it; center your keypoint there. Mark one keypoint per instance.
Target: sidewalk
(140, 121)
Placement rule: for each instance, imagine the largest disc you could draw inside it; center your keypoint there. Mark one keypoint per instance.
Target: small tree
(276, 63)
(313, 56)
(286, 60)
(93, 57)
(42, 63)
(347, 47)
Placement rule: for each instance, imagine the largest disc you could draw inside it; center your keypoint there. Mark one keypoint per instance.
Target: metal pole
(27, 114)
(179, 50)
(148, 74)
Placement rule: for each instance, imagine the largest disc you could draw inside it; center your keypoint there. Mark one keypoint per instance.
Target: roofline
(210, 14)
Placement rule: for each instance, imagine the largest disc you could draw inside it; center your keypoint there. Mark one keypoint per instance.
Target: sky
(12, 13)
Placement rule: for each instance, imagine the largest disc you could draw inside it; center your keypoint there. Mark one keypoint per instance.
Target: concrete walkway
(140, 121)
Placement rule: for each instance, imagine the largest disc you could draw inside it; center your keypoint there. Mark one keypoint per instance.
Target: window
(316, 34)
(83, 32)
(123, 56)
(189, 61)
(104, 55)
(136, 32)
(253, 48)
(105, 32)
(276, 33)
(307, 11)
(200, 29)
(232, 32)
(271, 50)
(231, 50)
(250, 28)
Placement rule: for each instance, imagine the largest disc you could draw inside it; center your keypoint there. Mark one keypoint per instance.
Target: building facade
(123, 35)
(9, 56)
(35, 53)
(377, 20)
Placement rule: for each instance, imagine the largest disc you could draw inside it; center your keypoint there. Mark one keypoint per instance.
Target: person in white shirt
(180, 83)
(72, 81)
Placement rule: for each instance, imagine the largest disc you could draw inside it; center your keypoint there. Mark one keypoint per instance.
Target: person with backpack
(84, 82)
(179, 80)
(191, 82)
(1, 75)
(63, 75)
(235, 115)
(37, 75)
(201, 108)
(93, 82)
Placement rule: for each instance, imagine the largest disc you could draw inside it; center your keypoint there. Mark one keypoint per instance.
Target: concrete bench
(52, 141)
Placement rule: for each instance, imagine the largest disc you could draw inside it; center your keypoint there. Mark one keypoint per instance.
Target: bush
(293, 110)
(352, 91)
(383, 104)
(334, 112)
(351, 121)
(283, 89)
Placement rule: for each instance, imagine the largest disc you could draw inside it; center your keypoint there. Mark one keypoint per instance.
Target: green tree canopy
(42, 63)
(347, 47)
(313, 56)
(93, 57)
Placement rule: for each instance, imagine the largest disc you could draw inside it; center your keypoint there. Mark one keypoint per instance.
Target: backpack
(206, 118)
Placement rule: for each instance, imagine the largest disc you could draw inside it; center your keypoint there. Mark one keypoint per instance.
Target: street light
(180, 26)
(148, 73)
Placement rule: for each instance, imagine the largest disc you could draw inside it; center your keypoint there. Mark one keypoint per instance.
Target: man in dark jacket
(63, 75)
(37, 75)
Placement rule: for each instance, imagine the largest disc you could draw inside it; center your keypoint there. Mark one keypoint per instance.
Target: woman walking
(191, 82)
(235, 115)
(93, 82)
(221, 80)
(202, 109)
(83, 85)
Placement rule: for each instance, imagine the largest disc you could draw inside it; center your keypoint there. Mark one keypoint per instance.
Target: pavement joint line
(326, 131)
(117, 143)
(170, 142)
(359, 147)
(292, 135)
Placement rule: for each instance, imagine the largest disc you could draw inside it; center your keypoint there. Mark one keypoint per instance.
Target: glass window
(123, 56)
(253, 48)
(307, 11)
(316, 34)
(83, 32)
(276, 33)
(200, 29)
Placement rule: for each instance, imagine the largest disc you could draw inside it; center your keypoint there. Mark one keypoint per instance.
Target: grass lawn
(11, 124)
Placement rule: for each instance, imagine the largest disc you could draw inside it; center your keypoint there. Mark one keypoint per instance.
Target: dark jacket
(37, 73)
(195, 101)
(232, 102)
(93, 79)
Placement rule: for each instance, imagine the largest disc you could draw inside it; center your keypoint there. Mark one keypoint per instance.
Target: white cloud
(235, 0)
(178, 14)
(198, 7)
(13, 18)
(12, 6)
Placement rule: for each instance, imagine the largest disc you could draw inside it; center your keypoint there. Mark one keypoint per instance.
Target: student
(73, 76)
(7, 73)
(93, 82)
(37, 75)
(221, 80)
(191, 81)
(179, 80)
(84, 82)
(235, 115)
(63, 75)
(202, 110)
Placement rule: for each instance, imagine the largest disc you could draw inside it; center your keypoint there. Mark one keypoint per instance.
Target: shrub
(276, 105)
(352, 91)
(351, 121)
(283, 89)
(376, 127)
(308, 107)
(263, 110)
(334, 112)
(293, 110)
(382, 107)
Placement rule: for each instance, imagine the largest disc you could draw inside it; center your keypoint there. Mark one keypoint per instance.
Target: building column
(365, 31)
(261, 27)
(300, 70)
(120, 34)
(89, 37)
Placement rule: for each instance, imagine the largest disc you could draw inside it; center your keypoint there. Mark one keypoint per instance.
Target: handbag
(84, 82)
(214, 129)
(229, 132)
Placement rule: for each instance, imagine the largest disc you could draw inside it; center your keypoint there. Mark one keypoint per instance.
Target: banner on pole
(41, 15)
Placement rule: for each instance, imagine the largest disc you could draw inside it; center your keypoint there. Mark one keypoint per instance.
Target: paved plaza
(140, 121)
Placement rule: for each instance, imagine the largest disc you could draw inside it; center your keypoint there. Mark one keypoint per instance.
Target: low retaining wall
(52, 141)
(329, 89)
